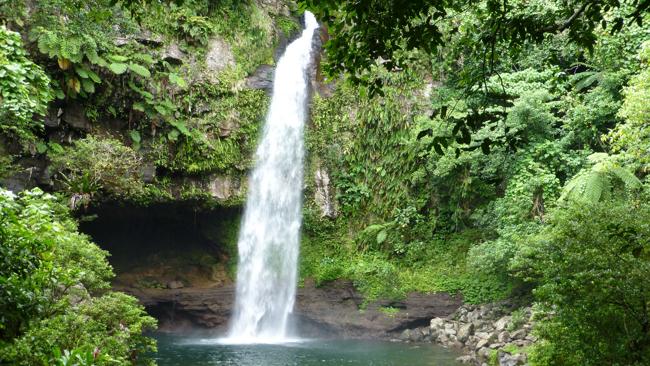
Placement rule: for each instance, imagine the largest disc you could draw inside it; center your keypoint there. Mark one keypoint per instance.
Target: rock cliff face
(201, 150)
(334, 309)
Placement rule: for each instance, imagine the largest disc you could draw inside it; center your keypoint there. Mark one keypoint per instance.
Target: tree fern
(594, 185)
(628, 179)
(598, 182)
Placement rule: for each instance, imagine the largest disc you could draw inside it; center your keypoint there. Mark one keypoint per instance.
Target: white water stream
(270, 234)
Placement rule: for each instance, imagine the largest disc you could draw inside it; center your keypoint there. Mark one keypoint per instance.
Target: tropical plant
(24, 87)
(96, 164)
(599, 182)
(633, 136)
(50, 276)
(590, 265)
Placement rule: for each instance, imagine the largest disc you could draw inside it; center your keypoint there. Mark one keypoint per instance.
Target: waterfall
(270, 234)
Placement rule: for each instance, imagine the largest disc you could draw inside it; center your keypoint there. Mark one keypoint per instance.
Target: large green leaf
(118, 58)
(140, 70)
(118, 68)
(93, 76)
(88, 85)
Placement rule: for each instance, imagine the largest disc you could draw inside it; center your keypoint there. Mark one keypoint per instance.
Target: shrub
(49, 276)
(92, 165)
(591, 266)
(25, 89)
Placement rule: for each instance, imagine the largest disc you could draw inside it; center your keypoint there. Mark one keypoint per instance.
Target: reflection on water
(176, 350)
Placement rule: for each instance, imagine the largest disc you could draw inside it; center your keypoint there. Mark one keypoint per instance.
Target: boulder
(485, 335)
(405, 335)
(506, 359)
(219, 56)
(531, 338)
(484, 353)
(468, 359)
(437, 323)
(465, 331)
(473, 316)
(416, 336)
(75, 116)
(456, 344)
(502, 323)
(262, 78)
(504, 337)
(481, 343)
(520, 334)
(173, 54)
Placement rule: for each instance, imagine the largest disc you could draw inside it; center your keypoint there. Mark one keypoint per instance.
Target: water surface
(176, 350)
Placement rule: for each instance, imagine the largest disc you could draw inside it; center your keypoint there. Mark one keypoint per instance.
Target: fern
(597, 183)
(629, 180)
(593, 186)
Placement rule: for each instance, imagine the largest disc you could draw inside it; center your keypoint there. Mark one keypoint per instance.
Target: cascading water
(269, 237)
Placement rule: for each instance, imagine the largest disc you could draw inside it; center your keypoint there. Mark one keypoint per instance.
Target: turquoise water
(183, 351)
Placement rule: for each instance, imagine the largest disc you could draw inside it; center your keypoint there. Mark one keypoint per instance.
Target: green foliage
(202, 149)
(389, 311)
(417, 166)
(518, 319)
(328, 252)
(186, 23)
(601, 181)
(420, 25)
(49, 274)
(39, 244)
(590, 264)
(633, 135)
(241, 24)
(25, 89)
(96, 164)
(76, 357)
(287, 25)
(110, 325)
(79, 36)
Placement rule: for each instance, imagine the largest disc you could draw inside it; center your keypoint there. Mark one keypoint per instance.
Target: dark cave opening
(167, 252)
(136, 235)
